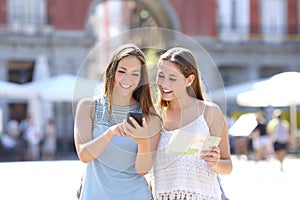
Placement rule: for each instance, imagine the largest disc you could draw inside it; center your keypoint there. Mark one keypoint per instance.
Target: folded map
(188, 143)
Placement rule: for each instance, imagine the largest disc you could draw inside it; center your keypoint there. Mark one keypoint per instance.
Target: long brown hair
(186, 62)
(142, 93)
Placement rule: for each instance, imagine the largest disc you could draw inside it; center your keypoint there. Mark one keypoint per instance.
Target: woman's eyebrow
(173, 75)
(122, 67)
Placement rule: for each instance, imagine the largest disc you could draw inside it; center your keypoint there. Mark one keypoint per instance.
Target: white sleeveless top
(184, 177)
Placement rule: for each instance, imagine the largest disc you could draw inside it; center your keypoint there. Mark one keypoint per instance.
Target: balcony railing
(272, 33)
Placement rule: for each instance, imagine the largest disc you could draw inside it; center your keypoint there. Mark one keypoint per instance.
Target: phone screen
(138, 116)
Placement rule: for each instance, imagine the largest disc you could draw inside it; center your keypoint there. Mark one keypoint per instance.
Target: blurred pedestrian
(279, 129)
(9, 139)
(24, 124)
(33, 138)
(261, 141)
(49, 143)
(230, 121)
(117, 154)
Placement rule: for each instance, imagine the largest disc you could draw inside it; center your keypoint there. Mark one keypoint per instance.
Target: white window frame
(234, 19)
(273, 20)
(26, 15)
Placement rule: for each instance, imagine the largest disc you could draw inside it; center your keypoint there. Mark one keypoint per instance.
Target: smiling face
(177, 72)
(171, 82)
(127, 76)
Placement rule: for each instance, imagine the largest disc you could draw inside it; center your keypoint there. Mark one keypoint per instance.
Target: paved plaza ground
(263, 180)
(60, 179)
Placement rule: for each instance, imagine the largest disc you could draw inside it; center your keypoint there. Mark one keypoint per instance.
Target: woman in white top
(183, 107)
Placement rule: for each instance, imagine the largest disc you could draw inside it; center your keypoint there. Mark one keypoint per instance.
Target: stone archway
(161, 10)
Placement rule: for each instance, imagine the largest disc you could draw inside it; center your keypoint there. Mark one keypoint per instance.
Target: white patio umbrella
(230, 92)
(65, 88)
(9, 90)
(244, 125)
(36, 107)
(278, 91)
(41, 68)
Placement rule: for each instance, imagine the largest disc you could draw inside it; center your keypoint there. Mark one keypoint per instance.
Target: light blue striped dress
(112, 176)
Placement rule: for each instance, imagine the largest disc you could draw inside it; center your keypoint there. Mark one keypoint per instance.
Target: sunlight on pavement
(262, 180)
(40, 180)
(60, 180)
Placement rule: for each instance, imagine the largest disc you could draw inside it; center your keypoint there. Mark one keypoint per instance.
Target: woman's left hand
(139, 134)
(212, 159)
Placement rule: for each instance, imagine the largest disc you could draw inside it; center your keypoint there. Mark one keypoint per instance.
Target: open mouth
(167, 91)
(125, 86)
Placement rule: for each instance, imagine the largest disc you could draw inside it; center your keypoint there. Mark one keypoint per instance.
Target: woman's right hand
(116, 129)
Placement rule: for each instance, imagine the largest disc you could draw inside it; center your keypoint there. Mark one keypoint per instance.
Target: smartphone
(138, 116)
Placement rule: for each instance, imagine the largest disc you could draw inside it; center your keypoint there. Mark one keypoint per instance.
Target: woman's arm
(88, 148)
(219, 158)
(147, 138)
(146, 153)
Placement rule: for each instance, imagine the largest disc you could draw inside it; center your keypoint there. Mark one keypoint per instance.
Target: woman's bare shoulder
(212, 112)
(85, 105)
(86, 101)
(211, 106)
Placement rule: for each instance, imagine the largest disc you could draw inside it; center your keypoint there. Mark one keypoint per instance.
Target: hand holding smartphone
(138, 116)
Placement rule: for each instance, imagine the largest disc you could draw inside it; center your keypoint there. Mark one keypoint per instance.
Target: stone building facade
(244, 38)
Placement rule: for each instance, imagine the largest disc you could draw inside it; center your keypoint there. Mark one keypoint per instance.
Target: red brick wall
(67, 14)
(292, 22)
(3, 12)
(197, 17)
(254, 17)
